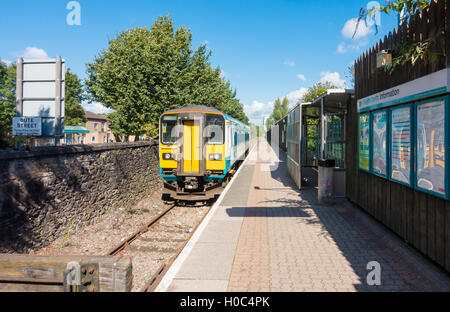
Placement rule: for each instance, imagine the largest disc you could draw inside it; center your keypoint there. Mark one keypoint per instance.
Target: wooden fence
(421, 219)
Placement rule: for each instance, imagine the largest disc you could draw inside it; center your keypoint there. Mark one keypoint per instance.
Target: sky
(266, 49)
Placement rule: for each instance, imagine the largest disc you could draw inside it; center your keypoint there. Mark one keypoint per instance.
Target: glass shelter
(317, 130)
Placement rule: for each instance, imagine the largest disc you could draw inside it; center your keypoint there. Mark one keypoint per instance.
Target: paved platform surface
(267, 236)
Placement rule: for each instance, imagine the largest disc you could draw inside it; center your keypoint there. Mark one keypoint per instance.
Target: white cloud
(350, 26)
(96, 108)
(342, 48)
(7, 62)
(359, 40)
(295, 96)
(223, 74)
(301, 77)
(356, 46)
(334, 78)
(35, 53)
(257, 111)
(289, 63)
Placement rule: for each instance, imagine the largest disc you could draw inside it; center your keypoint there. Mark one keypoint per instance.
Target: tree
(317, 90)
(74, 113)
(280, 110)
(145, 72)
(7, 102)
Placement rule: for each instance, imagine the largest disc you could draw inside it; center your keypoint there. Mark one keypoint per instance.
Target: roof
(195, 108)
(91, 115)
(205, 109)
(72, 129)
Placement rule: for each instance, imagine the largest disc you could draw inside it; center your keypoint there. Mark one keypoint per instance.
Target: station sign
(431, 85)
(27, 126)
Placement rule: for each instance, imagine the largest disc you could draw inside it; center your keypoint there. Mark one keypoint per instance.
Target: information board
(379, 145)
(431, 147)
(364, 142)
(401, 145)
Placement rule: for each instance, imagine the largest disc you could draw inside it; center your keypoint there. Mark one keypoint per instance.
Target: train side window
(215, 129)
(168, 124)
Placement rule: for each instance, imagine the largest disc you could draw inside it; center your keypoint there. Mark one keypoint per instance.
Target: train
(200, 147)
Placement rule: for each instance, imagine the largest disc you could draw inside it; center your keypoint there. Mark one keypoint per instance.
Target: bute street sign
(27, 126)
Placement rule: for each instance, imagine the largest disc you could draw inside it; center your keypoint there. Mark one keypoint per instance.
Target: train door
(191, 146)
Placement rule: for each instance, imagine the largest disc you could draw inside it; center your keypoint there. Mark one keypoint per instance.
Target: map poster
(379, 142)
(364, 142)
(431, 147)
(401, 145)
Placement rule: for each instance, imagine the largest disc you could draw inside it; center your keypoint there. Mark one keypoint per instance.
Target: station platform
(264, 235)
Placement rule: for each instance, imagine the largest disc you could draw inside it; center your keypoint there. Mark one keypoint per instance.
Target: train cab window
(215, 129)
(168, 124)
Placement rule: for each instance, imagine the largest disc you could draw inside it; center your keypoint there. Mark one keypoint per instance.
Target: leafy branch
(411, 53)
(406, 53)
(405, 8)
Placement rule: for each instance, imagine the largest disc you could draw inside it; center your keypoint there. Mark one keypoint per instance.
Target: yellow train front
(199, 147)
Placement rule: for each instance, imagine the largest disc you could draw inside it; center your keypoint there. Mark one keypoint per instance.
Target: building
(95, 131)
(99, 131)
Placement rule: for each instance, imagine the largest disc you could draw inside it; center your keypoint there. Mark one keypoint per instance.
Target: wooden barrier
(23, 273)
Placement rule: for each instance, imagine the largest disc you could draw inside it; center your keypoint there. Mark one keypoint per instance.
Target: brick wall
(47, 189)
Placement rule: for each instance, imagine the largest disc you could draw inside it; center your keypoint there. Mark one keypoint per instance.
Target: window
(215, 129)
(93, 139)
(168, 129)
(95, 125)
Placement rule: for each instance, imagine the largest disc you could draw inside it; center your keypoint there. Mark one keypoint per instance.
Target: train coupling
(191, 184)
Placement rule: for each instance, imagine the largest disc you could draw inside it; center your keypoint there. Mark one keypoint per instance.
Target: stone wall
(46, 190)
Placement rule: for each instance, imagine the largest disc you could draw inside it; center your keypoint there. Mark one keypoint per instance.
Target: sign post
(40, 98)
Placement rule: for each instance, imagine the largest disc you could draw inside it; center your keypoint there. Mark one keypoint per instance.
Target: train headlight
(215, 156)
(168, 156)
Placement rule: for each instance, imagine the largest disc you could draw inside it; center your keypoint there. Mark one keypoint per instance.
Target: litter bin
(326, 170)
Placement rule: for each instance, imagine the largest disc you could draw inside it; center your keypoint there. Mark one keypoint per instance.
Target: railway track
(144, 234)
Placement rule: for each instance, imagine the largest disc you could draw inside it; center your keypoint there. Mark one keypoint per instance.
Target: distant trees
(280, 109)
(317, 90)
(74, 113)
(7, 102)
(144, 72)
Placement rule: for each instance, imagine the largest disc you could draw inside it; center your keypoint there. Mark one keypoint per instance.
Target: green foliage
(406, 7)
(280, 110)
(65, 240)
(145, 72)
(7, 102)
(74, 113)
(407, 52)
(317, 90)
